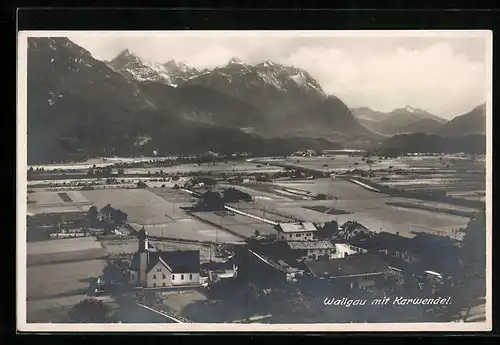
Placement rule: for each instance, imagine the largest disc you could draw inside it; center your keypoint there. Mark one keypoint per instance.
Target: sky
(445, 75)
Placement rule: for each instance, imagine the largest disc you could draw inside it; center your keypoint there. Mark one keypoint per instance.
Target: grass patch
(65, 197)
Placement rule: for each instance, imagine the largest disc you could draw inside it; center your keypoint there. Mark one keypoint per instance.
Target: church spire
(143, 240)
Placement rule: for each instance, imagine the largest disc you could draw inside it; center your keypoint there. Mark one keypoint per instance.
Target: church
(150, 268)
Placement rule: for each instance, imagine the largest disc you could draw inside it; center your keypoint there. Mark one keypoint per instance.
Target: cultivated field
(339, 188)
(49, 202)
(337, 163)
(365, 206)
(241, 225)
(142, 206)
(63, 250)
(191, 229)
(65, 245)
(52, 289)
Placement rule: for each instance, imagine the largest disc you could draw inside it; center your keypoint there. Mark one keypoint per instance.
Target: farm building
(312, 249)
(300, 231)
(211, 201)
(112, 215)
(163, 268)
(363, 271)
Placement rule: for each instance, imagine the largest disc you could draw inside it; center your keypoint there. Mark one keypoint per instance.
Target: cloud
(443, 76)
(435, 79)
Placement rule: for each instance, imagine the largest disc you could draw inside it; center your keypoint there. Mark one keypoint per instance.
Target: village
(210, 249)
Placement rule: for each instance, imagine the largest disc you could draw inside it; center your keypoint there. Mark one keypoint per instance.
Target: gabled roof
(386, 241)
(351, 225)
(110, 209)
(179, 261)
(351, 266)
(279, 265)
(425, 240)
(296, 227)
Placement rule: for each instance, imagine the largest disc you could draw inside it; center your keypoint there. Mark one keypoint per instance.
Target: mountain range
(413, 120)
(80, 107)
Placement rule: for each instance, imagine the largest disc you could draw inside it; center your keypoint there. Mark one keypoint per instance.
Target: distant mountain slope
(291, 99)
(425, 143)
(426, 125)
(401, 120)
(367, 114)
(77, 104)
(268, 98)
(473, 122)
(79, 107)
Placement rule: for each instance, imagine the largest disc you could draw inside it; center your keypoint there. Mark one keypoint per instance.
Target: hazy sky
(443, 75)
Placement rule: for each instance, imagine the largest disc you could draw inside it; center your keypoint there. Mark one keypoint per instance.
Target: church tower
(143, 256)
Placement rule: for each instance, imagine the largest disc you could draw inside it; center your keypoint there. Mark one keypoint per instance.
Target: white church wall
(179, 279)
(159, 276)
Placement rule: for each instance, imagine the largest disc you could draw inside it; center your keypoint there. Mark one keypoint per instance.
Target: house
(111, 215)
(312, 249)
(235, 195)
(211, 201)
(392, 245)
(269, 264)
(438, 253)
(218, 271)
(351, 229)
(343, 250)
(300, 231)
(365, 271)
(151, 269)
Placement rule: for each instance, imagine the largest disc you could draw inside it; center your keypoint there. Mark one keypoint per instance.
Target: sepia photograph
(254, 181)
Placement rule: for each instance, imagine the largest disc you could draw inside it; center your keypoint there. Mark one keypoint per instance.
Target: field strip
(250, 215)
(436, 209)
(66, 204)
(364, 185)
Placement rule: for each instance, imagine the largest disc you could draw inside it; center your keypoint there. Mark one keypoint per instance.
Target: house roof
(111, 209)
(296, 227)
(352, 225)
(298, 245)
(179, 261)
(385, 240)
(425, 240)
(279, 265)
(217, 266)
(354, 265)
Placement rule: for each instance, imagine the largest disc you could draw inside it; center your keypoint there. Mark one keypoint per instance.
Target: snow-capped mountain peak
(410, 109)
(133, 67)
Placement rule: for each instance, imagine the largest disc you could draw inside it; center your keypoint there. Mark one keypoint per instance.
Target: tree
(473, 254)
(141, 184)
(471, 283)
(91, 310)
(92, 213)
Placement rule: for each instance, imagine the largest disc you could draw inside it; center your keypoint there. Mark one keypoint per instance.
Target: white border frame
(21, 166)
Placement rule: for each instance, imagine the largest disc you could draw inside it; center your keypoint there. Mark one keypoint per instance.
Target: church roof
(179, 261)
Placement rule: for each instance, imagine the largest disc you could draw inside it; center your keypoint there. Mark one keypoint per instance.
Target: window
(154, 276)
(298, 235)
(158, 270)
(182, 276)
(163, 284)
(164, 276)
(190, 277)
(154, 284)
